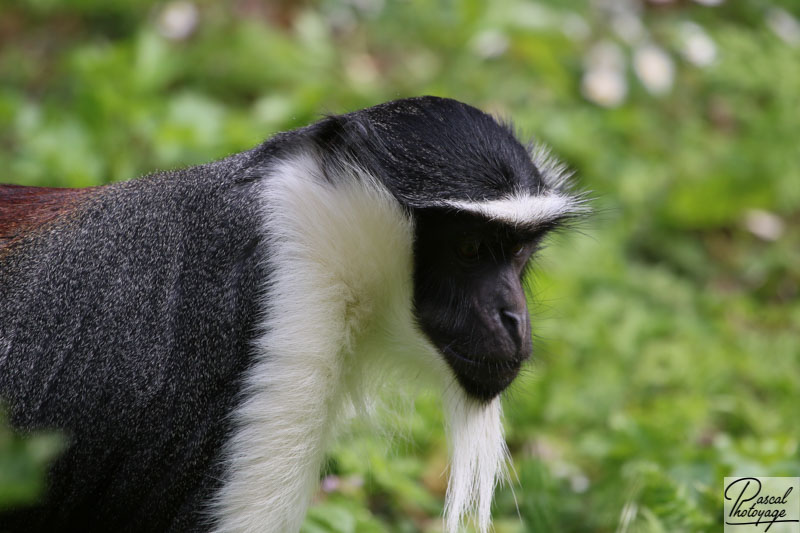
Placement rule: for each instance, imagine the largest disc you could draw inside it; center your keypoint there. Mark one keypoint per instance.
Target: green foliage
(667, 336)
(23, 462)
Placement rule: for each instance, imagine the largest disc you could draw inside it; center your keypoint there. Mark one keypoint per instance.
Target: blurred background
(668, 329)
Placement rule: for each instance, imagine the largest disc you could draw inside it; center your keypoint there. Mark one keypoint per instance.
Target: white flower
(607, 88)
(763, 224)
(697, 47)
(490, 43)
(784, 25)
(604, 80)
(654, 68)
(178, 20)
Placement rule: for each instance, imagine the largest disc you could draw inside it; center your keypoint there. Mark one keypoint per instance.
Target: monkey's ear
(329, 133)
(331, 140)
(347, 141)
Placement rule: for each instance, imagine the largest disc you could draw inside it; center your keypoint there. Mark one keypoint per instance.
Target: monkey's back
(125, 323)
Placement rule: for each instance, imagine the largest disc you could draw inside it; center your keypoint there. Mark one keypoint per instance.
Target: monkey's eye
(468, 249)
(518, 249)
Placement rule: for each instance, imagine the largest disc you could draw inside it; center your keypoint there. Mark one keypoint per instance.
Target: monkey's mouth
(451, 352)
(482, 377)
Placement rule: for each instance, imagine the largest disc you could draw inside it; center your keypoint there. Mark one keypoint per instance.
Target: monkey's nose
(515, 323)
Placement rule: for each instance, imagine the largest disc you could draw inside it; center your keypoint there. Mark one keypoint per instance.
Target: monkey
(199, 335)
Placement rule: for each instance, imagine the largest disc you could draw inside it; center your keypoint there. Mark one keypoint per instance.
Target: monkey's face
(469, 298)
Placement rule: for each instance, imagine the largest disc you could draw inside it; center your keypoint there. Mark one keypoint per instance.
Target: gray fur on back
(127, 325)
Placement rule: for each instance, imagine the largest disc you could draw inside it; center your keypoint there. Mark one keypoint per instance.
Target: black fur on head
(427, 150)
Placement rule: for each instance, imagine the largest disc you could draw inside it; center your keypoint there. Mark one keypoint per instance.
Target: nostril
(514, 323)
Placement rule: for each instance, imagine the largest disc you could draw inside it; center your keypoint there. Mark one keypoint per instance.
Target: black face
(469, 298)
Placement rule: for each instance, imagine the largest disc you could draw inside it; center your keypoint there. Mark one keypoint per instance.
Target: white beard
(478, 458)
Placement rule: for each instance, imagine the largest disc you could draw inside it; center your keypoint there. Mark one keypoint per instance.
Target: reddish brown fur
(23, 209)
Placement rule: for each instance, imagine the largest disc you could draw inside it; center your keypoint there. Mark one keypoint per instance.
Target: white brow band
(523, 209)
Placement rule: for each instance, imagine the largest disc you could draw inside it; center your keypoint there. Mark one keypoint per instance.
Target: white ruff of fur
(338, 316)
(338, 323)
